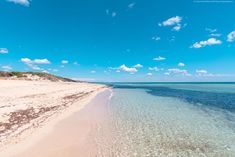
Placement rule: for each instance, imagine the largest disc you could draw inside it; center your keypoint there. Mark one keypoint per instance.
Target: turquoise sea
(169, 119)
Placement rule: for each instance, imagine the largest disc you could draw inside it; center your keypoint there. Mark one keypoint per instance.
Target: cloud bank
(209, 42)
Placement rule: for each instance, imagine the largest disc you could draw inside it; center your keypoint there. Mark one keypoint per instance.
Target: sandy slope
(26, 106)
(75, 136)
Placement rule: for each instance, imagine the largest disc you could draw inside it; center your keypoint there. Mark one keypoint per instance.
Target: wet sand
(74, 136)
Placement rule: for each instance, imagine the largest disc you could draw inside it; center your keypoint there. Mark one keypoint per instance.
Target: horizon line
(163, 82)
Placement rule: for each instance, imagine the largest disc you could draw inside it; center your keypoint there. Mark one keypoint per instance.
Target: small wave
(111, 94)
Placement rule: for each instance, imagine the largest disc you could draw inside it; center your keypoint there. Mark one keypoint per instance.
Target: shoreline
(43, 125)
(74, 135)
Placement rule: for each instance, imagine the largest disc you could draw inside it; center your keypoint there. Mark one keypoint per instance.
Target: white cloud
(231, 36)
(6, 68)
(35, 61)
(64, 62)
(181, 64)
(201, 72)
(131, 5)
(211, 30)
(215, 35)
(54, 70)
(177, 27)
(156, 38)
(93, 71)
(41, 61)
(124, 68)
(159, 58)
(196, 45)
(26, 60)
(175, 70)
(138, 66)
(154, 69)
(127, 69)
(150, 74)
(32, 64)
(205, 73)
(178, 71)
(22, 2)
(3, 50)
(34, 67)
(173, 21)
(211, 41)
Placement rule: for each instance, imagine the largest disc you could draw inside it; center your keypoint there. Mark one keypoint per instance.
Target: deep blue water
(221, 100)
(149, 83)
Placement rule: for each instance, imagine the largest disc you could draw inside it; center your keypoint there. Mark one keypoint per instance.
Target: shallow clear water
(169, 120)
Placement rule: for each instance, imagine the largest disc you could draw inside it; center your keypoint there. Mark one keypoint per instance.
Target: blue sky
(120, 40)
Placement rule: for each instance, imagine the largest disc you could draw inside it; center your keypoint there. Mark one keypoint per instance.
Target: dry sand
(74, 136)
(29, 110)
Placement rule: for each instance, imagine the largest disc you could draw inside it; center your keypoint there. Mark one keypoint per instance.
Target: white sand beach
(30, 109)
